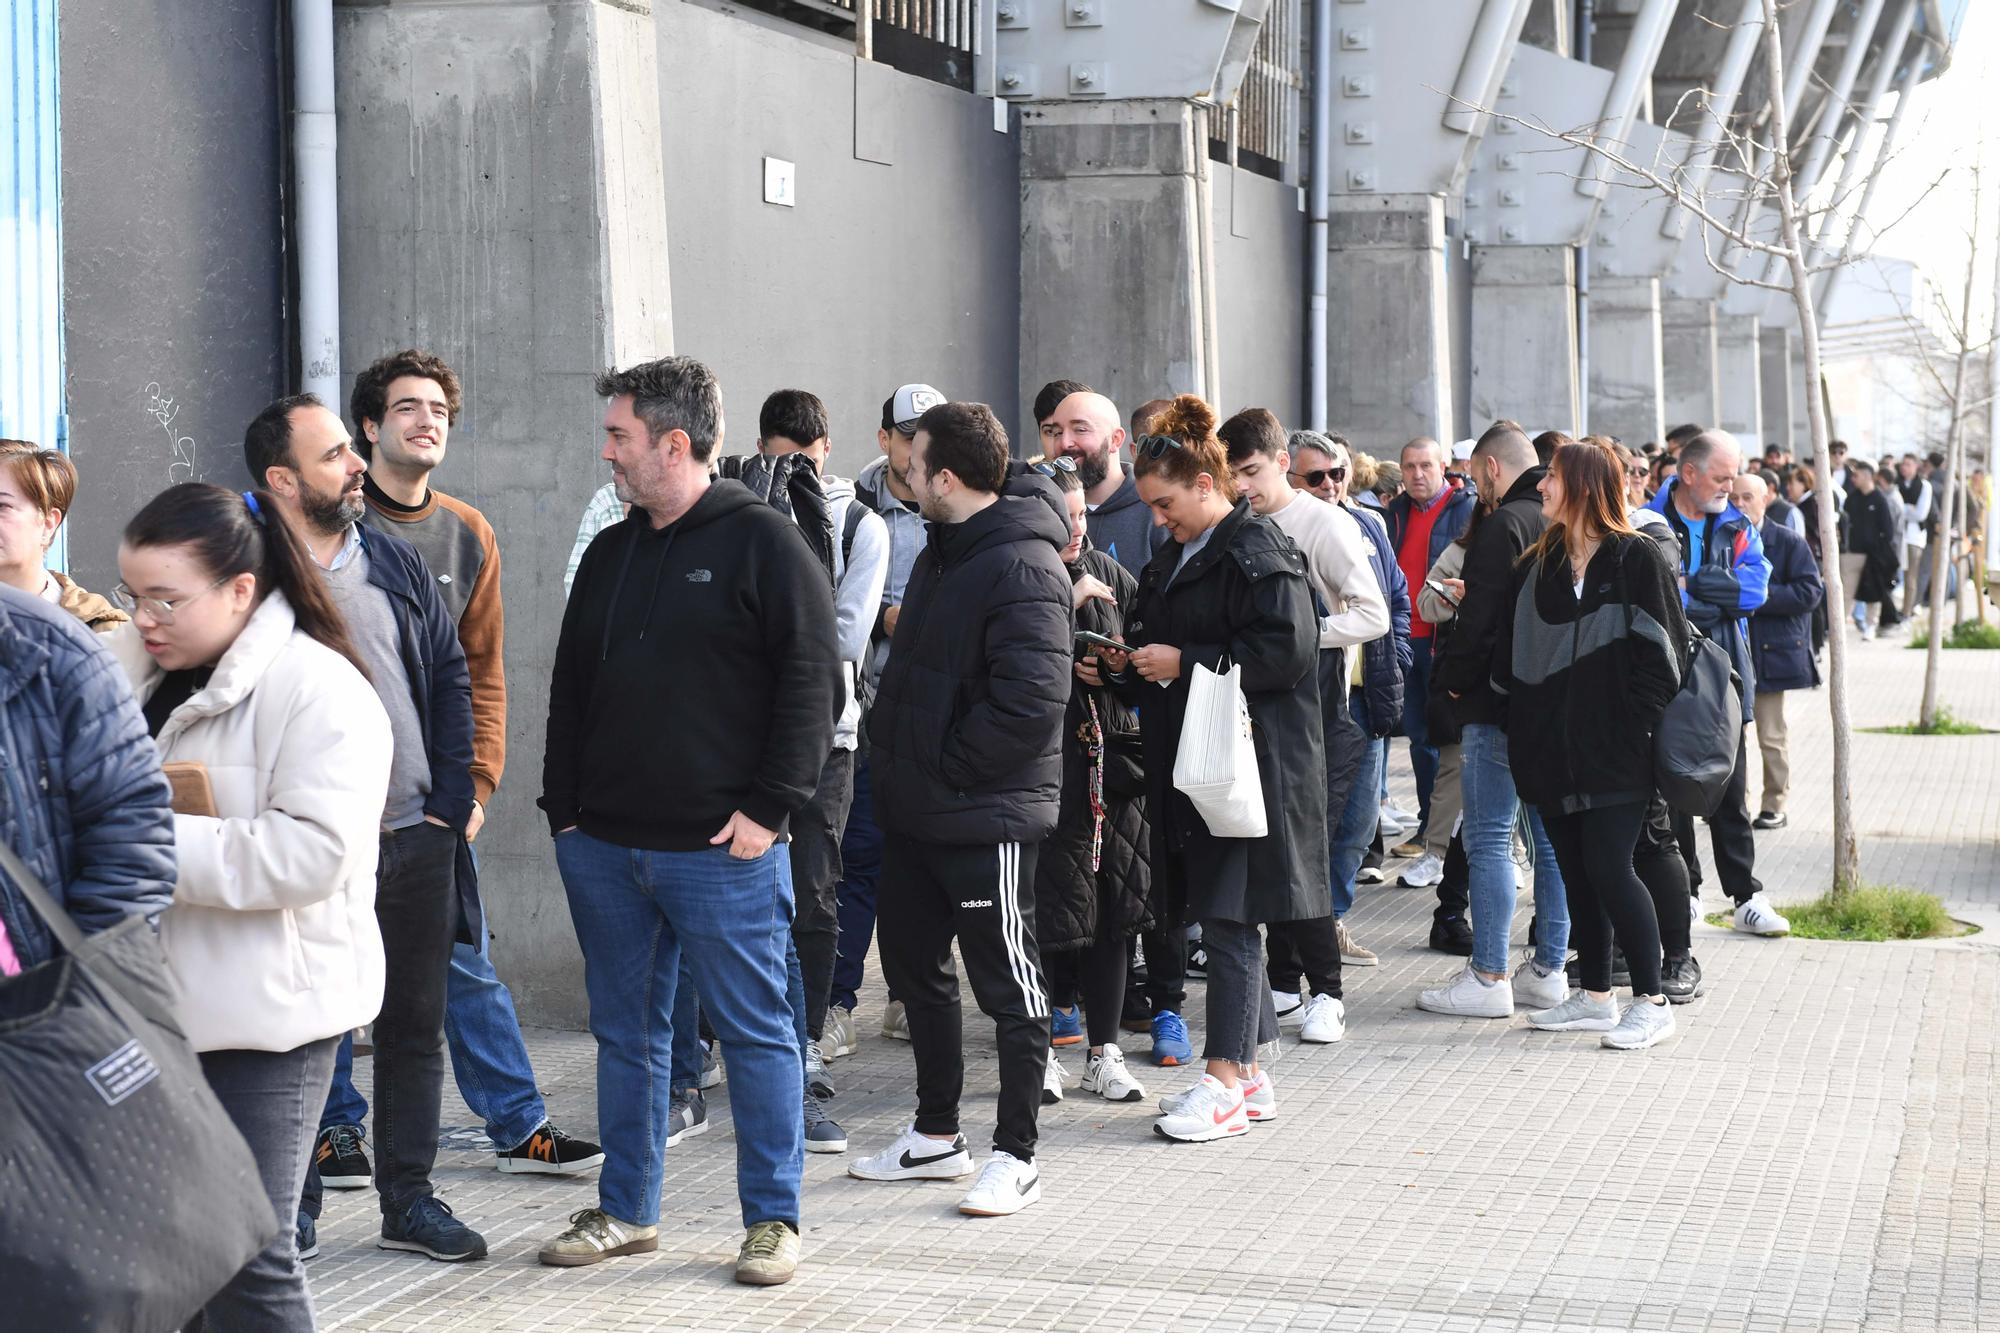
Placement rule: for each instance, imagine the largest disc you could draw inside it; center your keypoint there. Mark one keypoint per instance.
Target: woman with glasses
(245, 673)
(1228, 589)
(37, 487)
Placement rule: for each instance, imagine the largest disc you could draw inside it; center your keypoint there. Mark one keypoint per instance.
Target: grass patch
(1965, 634)
(1889, 912)
(1945, 724)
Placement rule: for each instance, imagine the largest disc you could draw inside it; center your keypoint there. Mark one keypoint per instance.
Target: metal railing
(1266, 108)
(953, 23)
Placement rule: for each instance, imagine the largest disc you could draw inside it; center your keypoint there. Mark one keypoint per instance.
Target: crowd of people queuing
(941, 703)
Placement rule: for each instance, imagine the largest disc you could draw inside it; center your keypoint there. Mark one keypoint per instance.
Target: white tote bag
(1217, 764)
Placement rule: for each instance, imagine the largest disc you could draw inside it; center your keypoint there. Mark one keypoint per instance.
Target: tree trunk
(1939, 552)
(1846, 844)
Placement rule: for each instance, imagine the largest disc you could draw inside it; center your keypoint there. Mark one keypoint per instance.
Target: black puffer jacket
(1243, 596)
(1072, 901)
(965, 729)
(1465, 664)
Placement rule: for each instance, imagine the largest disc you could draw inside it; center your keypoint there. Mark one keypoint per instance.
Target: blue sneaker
(1066, 1026)
(1170, 1039)
(308, 1237)
(428, 1227)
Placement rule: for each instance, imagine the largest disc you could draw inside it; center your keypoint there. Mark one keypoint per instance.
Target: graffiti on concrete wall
(165, 409)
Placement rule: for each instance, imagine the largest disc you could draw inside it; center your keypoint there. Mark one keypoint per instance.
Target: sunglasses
(1049, 467)
(1155, 446)
(1637, 470)
(1320, 476)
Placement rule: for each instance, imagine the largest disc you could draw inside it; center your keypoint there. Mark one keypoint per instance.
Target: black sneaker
(1769, 819)
(550, 1152)
(1197, 960)
(342, 1162)
(1621, 971)
(428, 1227)
(1452, 934)
(687, 1115)
(1680, 979)
(308, 1237)
(1138, 1015)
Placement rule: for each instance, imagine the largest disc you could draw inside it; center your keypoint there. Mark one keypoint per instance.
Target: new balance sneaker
(1469, 995)
(594, 1236)
(1210, 1110)
(769, 1257)
(895, 1022)
(1426, 872)
(1643, 1024)
(1260, 1099)
(1756, 916)
(1105, 1074)
(823, 1132)
(550, 1152)
(1578, 1013)
(1538, 989)
(1351, 952)
(816, 1077)
(1170, 1039)
(308, 1235)
(428, 1227)
(1006, 1185)
(1291, 1007)
(838, 1038)
(1066, 1026)
(711, 1066)
(915, 1156)
(343, 1163)
(1197, 964)
(687, 1115)
(1326, 1021)
(1680, 978)
(1054, 1079)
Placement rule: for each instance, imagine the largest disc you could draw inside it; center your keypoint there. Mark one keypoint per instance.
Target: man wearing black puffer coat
(967, 760)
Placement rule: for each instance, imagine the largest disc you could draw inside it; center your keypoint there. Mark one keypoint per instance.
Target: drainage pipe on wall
(1318, 229)
(317, 219)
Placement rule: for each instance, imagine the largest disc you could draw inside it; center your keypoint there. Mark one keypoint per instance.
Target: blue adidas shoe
(1170, 1039)
(1066, 1026)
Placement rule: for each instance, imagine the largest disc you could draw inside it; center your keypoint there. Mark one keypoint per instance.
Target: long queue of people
(943, 703)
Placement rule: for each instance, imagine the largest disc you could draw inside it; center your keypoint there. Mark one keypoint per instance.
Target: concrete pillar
(1524, 336)
(1114, 243)
(1738, 376)
(1388, 326)
(1780, 387)
(1626, 367)
(1691, 387)
(503, 204)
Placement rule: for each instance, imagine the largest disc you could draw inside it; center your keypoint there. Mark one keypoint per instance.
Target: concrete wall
(1260, 294)
(173, 271)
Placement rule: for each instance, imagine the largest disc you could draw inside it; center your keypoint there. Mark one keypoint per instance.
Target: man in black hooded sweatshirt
(967, 758)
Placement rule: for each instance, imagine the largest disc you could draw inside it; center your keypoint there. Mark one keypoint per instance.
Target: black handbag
(127, 1196)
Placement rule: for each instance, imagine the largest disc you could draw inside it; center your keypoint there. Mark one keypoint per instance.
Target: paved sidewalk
(1816, 1151)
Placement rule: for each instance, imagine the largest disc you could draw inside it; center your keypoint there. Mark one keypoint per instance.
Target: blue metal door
(32, 403)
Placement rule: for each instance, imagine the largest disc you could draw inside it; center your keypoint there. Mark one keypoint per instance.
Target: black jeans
(1166, 968)
(1454, 891)
(985, 896)
(815, 851)
(1240, 1013)
(274, 1098)
(416, 907)
(1657, 859)
(1594, 850)
(1730, 837)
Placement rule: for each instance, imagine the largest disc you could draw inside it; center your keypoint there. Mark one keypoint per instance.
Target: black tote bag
(127, 1196)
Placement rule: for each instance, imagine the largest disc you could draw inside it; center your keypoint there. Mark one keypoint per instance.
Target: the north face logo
(700, 576)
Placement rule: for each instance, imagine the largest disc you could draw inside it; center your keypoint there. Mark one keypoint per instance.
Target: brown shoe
(770, 1255)
(1407, 851)
(594, 1236)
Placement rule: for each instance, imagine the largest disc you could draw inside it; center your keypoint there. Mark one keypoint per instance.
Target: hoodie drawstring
(624, 567)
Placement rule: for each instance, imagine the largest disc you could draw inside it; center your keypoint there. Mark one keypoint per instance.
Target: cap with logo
(903, 407)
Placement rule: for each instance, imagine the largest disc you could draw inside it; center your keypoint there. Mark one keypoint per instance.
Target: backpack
(1695, 745)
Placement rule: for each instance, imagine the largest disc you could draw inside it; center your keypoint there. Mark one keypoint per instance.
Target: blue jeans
(1416, 693)
(638, 914)
(1356, 828)
(488, 1057)
(860, 874)
(687, 1058)
(1490, 801)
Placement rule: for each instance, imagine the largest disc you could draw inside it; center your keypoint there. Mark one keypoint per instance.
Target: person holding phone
(1228, 589)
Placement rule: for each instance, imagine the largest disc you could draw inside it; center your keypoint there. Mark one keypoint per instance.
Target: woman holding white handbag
(1225, 607)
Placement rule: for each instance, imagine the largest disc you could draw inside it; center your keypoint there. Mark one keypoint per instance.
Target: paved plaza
(1815, 1151)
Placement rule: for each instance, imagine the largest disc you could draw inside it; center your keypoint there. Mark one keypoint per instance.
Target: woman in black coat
(1227, 586)
(1872, 531)
(1093, 882)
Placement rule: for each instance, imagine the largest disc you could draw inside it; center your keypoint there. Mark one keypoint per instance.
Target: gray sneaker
(816, 1080)
(1578, 1013)
(823, 1132)
(838, 1037)
(1643, 1024)
(687, 1115)
(711, 1066)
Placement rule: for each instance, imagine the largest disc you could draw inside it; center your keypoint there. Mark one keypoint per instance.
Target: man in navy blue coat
(1780, 640)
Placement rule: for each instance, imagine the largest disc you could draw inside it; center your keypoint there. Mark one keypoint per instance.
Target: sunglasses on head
(1319, 476)
(1156, 446)
(1049, 467)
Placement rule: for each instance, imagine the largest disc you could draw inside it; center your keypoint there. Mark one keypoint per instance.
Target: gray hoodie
(1123, 528)
(907, 539)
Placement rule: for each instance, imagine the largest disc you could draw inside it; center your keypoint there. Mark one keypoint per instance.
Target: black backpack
(1695, 745)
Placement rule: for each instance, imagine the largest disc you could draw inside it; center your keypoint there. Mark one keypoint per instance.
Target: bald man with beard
(1086, 427)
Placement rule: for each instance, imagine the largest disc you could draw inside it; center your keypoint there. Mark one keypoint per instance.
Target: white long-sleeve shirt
(1337, 554)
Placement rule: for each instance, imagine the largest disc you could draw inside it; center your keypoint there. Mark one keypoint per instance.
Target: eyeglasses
(158, 608)
(1155, 446)
(1638, 470)
(1320, 476)
(1049, 467)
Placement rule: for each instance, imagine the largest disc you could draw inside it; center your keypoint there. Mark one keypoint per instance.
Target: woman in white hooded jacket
(243, 665)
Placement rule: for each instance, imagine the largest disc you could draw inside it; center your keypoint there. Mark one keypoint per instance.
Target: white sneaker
(1426, 872)
(1326, 1021)
(1006, 1185)
(1694, 911)
(1107, 1076)
(1578, 1013)
(1291, 1007)
(1469, 995)
(1054, 1079)
(837, 1035)
(1397, 818)
(1209, 1111)
(1260, 1099)
(1536, 989)
(915, 1156)
(1643, 1024)
(1756, 916)
(895, 1022)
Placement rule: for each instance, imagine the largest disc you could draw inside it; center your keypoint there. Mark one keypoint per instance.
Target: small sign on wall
(780, 181)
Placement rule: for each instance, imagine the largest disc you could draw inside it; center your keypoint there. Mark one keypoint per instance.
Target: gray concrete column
(1691, 388)
(1738, 376)
(503, 204)
(1388, 329)
(1779, 386)
(1524, 336)
(1626, 363)
(1113, 260)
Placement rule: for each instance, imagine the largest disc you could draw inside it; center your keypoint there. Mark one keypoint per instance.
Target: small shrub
(1873, 913)
(1945, 724)
(1965, 634)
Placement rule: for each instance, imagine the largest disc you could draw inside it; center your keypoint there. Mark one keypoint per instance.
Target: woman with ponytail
(1228, 589)
(244, 670)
